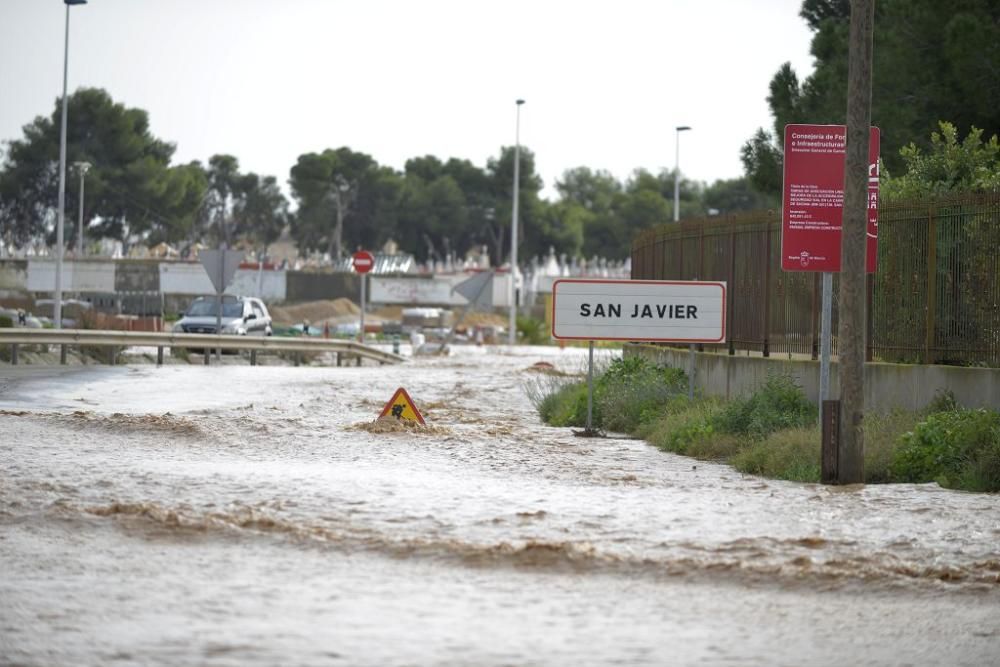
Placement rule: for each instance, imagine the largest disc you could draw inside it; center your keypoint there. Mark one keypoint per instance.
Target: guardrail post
(159, 355)
(359, 360)
(298, 359)
(13, 354)
(253, 357)
(338, 359)
(206, 354)
(113, 356)
(62, 354)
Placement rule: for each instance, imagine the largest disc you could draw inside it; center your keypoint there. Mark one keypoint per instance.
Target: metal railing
(935, 297)
(204, 342)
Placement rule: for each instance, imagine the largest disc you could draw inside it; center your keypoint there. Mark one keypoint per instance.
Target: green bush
(684, 426)
(792, 454)
(6, 322)
(565, 405)
(956, 449)
(779, 404)
(633, 391)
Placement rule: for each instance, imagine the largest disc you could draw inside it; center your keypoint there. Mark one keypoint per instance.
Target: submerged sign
(639, 310)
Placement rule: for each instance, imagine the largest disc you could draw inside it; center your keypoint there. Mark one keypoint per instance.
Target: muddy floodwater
(236, 515)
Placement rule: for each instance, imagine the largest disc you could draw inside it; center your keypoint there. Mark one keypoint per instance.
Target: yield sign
(401, 406)
(221, 266)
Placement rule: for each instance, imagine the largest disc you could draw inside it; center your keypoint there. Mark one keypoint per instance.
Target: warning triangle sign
(401, 406)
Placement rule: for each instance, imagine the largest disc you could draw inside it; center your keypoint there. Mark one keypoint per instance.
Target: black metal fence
(935, 297)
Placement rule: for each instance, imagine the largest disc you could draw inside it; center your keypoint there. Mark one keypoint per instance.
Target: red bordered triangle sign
(401, 406)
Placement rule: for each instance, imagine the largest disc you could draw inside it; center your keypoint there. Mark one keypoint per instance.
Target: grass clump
(791, 453)
(634, 390)
(956, 448)
(778, 404)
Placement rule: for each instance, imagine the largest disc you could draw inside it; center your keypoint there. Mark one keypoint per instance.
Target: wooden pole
(850, 468)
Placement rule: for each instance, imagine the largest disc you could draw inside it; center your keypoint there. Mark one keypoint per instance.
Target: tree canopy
(933, 60)
(132, 191)
(343, 199)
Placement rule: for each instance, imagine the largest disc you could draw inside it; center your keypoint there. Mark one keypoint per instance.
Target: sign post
(812, 212)
(363, 262)
(221, 266)
(637, 310)
(811, 224)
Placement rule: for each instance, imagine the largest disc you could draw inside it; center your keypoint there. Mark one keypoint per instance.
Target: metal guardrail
(205, 342)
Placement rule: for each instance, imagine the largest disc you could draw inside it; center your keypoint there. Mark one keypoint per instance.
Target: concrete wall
(190, 279)
(13, 275)
(887, 386)
(303, 286)
(86, 276)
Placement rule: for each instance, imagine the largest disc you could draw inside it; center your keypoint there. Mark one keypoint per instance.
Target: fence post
(13, 354)
(767, 295)
(931, 285)
(731, 288)
(815, 316)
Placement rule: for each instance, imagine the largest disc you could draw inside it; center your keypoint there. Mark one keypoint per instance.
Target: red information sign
(813, 201)
(363, 261)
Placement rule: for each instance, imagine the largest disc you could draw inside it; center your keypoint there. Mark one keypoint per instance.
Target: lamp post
(61, 213)
(512, 332)
(677, 171)
(82, 168)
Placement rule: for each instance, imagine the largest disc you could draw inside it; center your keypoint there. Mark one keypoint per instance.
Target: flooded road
(232, 515)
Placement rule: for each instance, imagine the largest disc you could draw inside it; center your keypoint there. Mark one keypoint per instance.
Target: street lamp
(677, 171)
(512, 333)
(61, 213)
(82, 168)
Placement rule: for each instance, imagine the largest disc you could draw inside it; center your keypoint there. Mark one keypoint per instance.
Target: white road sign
(639, 310)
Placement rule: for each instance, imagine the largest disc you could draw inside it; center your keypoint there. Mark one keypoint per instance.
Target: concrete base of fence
(887, 386)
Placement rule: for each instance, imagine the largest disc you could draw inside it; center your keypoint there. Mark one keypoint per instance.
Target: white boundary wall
(191, 279)
(77, 276)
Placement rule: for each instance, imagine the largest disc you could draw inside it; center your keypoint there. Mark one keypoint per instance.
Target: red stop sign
(363, 261)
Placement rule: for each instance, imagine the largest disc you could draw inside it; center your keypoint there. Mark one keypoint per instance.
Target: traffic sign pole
(363, 262)
(361, 331)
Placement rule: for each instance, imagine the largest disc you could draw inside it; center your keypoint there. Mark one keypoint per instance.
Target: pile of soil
(485, 320)
(315, 311)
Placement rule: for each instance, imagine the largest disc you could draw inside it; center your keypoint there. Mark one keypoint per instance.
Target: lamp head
(75, 2)
(520, 102)
(681, 128)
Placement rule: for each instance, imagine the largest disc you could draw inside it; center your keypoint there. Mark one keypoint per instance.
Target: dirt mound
(314, 311)
(485, 320)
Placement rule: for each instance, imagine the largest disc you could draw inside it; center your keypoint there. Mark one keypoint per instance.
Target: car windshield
(206, 308)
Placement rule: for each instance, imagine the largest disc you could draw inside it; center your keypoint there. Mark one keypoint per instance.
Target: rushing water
(230, 515)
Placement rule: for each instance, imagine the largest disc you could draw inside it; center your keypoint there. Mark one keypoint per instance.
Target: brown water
(249, 516)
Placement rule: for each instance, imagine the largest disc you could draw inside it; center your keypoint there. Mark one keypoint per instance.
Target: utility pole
(851, 469)
(343, 196)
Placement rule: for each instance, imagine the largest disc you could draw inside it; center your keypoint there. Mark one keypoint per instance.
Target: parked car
(241, 316)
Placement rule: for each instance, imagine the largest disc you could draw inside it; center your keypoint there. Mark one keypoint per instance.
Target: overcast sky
(605, 83)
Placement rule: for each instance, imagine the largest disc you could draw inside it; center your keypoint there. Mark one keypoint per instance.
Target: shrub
(792, 454)
(684, 425)
(882, 434)
(634, 390)
(6, 322)
(566, 406)
(956, 449)
(779, 404)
